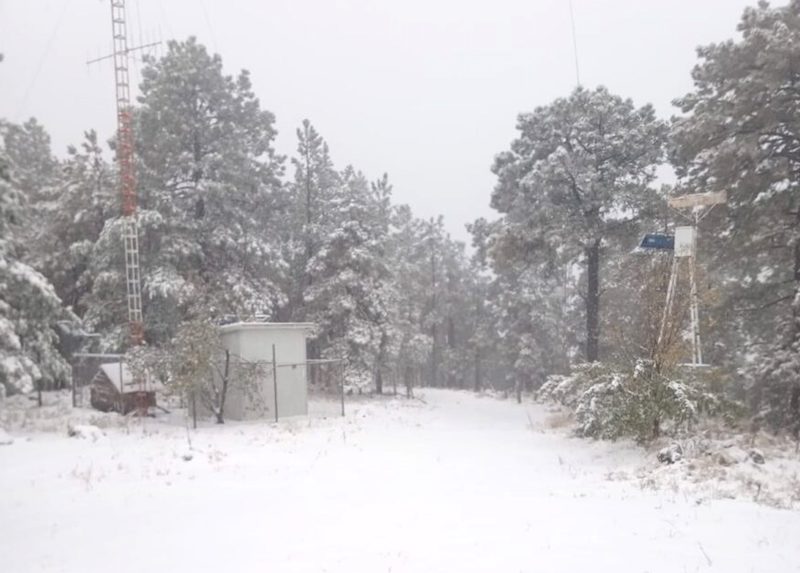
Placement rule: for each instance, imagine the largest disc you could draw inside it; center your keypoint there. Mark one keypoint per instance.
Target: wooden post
(275, 381)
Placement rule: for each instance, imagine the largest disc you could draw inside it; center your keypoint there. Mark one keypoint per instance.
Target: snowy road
(458, 483)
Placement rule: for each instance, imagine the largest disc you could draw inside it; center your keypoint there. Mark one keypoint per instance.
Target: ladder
(127, 171)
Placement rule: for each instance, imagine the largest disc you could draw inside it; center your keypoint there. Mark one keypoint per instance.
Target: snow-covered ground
(452, 483)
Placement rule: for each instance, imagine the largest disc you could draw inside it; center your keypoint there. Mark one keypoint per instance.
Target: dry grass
(559, 420)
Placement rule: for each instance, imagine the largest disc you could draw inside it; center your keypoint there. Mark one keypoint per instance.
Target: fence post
(341, 383)
(275, 381)
(194, 409)
(74, 378)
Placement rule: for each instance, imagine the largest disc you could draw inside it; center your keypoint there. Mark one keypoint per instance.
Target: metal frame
(696, 202)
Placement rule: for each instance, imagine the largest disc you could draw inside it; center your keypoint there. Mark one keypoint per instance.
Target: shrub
(610, 402)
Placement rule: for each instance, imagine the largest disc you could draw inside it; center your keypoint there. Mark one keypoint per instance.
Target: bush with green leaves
(639, 401)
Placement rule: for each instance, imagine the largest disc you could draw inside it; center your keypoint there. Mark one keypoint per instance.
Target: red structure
(127, 170)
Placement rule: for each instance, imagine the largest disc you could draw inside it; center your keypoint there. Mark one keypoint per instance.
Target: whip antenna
(574, 44)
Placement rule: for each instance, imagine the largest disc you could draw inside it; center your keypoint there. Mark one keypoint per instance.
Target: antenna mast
(574, 44)
(127, 172)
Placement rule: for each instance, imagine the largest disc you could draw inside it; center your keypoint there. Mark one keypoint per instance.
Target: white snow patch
(451, 483)
(85, 432)
(5, 439)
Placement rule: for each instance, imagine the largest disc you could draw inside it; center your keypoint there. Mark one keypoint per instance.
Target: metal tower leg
(697, 350)
(673, 279)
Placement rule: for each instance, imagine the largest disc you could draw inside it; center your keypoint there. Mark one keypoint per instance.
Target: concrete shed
(251, 343)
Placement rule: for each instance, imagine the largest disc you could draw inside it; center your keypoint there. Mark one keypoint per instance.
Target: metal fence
(264, 385)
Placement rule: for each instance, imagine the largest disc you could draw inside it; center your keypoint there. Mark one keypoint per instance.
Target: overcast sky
(426, 90)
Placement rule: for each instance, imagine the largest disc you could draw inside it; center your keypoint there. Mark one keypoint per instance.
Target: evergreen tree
(578, 171)
(211, 201)
(740, 134)
(345, 299)
(29, 306)
(86, 199)
(313, 190)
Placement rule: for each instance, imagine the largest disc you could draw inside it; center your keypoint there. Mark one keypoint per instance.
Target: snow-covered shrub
(567, 390)
(640, 402)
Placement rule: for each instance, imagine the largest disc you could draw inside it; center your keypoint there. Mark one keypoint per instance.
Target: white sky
(426, 90)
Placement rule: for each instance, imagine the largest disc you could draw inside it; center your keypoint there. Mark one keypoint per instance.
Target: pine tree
(345, 299)
(578, 171)
(29, 306)
(211, 201)
(410, 339)
(86, 199)
(315, 184)
(740, 134)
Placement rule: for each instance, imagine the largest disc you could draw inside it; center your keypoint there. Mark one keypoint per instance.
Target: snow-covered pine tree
(313, 189)
(483, 341)
(86, 198)
(36, 176)
(348, 270)
(410, 339)
(532, 311)
(432, 246)
(29, 306)
(381, 192)
(210, 197)
(740, 134)
(579, 169)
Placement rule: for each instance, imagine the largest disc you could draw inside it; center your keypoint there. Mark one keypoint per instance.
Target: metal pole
(74, 394)
(121, 390)
(695, 314)
(341, 384)
(275, 381)
(695, 310)
(673, 277)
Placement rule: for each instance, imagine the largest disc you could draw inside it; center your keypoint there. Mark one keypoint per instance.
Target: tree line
(231, 228)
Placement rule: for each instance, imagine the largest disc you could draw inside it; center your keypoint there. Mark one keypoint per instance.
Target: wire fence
(230, 388)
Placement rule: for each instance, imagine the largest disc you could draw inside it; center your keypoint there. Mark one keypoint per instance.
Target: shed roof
(239, 326)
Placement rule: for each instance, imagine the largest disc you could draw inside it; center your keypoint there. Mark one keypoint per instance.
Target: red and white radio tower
(127, 171)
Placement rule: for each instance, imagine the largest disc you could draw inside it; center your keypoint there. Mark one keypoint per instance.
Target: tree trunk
(381, 363)
(478, 370)
(794, 398)
(593, 301)
(451, 344)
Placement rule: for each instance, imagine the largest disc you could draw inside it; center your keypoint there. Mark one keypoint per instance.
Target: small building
(254, 391)
(113, 389)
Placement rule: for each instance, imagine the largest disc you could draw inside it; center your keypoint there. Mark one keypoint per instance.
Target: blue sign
(657, 242)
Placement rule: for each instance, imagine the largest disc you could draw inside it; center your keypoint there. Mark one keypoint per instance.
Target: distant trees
(548, 284)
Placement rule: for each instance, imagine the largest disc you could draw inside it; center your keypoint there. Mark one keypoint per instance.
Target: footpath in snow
(452, 483)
